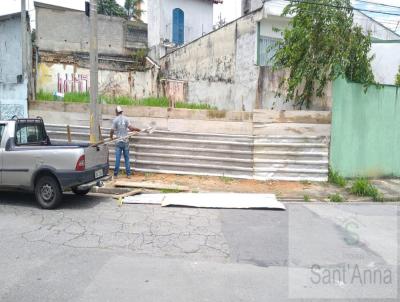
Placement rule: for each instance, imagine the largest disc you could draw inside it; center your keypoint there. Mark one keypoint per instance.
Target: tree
(398, 78)
(321, 44)
(110, 8)
(132, 8)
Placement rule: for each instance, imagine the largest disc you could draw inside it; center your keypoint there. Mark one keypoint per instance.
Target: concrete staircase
(263, 157)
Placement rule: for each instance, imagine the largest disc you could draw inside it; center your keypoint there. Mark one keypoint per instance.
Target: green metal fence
(365, 138)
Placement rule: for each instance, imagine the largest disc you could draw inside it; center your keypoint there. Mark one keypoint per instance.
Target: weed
(76, 97)
(307, 198)
(226, 179)
(44, 96)
(305, 182)
(335, 198)
(362, 187)
(167, 191)
(194, 106)
(148, 174)
(336, 179)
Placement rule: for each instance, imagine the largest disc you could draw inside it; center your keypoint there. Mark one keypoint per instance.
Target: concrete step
(283, 155)
(193, 159)
(291, 139)
(191, 143)
(203, 136)
(239, 154)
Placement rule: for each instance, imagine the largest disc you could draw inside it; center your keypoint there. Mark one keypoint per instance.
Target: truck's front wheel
(48, 192)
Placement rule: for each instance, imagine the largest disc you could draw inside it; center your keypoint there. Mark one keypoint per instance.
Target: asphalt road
(92, 250)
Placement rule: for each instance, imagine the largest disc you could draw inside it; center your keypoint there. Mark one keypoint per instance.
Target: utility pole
(95, 112)
(23, 39)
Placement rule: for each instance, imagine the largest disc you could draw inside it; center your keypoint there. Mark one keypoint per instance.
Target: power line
(380, 4)
(345, 7)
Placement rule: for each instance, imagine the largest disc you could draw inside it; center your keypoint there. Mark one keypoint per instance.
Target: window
(178, 26)
(2, 127)
(29, 133)
(266, 50)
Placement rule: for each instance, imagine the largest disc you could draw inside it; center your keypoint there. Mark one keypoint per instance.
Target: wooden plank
(150, 185)
(130, 193)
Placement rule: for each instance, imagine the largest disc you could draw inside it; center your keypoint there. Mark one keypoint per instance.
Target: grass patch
(226, 179)
(336, 198)
(77, 97)
(336, 179)
(307, 198)
(84, 97)
(44, 96)
(362, 187)
(166, 191)
(197, 106)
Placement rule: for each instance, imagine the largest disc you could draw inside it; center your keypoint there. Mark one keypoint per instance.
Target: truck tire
(48, 192)
(80, 192)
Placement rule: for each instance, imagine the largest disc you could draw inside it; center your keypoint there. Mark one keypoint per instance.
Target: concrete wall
(13, 88)
(198, 21)
(259, 123)
(386, 62)
(365, 130)
(220, 68)
(67, 30)
(61, 77)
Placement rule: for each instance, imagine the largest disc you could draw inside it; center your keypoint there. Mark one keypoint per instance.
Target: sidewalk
(284, 190)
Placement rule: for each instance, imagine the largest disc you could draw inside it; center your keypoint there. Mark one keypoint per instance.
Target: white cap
(118, 109)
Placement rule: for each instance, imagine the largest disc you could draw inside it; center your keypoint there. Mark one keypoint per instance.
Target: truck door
(2, 127)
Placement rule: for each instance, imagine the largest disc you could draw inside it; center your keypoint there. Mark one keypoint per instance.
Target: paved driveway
(93, 250)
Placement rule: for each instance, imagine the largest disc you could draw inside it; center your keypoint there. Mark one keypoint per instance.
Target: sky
(229, 10)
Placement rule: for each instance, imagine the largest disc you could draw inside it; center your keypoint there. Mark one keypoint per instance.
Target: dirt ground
(283, 189)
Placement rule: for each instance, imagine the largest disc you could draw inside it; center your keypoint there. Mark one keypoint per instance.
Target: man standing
(120, 127)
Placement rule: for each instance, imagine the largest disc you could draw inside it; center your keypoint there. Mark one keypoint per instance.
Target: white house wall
(198, 20)
(386, 63)
(13, 92)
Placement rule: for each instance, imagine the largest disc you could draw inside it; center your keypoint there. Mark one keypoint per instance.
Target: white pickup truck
(30, 161)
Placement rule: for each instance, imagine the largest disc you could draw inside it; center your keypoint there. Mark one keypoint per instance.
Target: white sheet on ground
(210, 200)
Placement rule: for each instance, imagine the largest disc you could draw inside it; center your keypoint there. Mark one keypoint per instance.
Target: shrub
(336, 179)
(335, 198)
(307, 198)
(362, 187)
(398, 78)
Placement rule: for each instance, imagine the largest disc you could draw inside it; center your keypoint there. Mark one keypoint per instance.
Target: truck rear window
(2, 127)
(29, 133)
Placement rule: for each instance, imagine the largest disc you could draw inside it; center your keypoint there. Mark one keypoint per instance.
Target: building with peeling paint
(62, 54)
(14, 85)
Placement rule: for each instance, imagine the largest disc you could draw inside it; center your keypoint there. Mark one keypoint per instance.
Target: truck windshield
(29, 133)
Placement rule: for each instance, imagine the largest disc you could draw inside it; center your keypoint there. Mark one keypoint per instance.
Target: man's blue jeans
(122, 147)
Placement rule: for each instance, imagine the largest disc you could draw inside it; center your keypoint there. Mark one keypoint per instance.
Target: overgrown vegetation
(336, 179)
(112, 8)
(84, 97)
(336, 198)
(362, 187)
(398, 78)
(307, 198)
(321, 44)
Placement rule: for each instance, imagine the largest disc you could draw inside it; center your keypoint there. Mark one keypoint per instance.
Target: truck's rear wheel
(48, 192)
(80, 192)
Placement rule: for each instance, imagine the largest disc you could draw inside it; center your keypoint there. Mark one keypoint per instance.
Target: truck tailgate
(95, 156)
